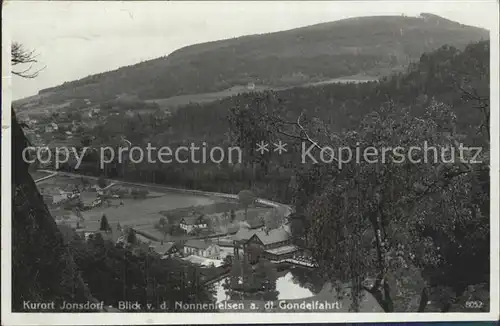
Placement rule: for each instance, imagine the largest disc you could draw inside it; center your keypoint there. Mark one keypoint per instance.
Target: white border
(6, 172)
(10, 318)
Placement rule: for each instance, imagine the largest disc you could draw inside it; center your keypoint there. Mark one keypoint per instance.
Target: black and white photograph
(293, 161)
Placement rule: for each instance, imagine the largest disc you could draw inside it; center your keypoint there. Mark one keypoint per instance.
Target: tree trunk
(383, 297)
(423, 300)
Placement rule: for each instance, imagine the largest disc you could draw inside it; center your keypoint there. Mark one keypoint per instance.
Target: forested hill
(446, 75)
(371, 46)
(442, 76)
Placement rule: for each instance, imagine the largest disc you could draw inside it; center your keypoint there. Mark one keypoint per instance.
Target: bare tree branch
(20, 56)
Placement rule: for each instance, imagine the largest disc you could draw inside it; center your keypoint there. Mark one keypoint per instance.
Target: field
(213, 213)
(175, 102)
(344, 80)
(143, 213)
(34, 105)
(140, 213)
(58, 181)
(217, 207)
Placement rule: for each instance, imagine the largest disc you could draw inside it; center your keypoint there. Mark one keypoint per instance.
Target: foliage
(101, 182)
(131, 237)
(115, 274)
(228, 260)
(246, 198)
(308, 278)
(391, 222)
(393, 227)
(274, 218)
(247, 282)
(104, 226)
(84, 181)
(139, 192)
(164, 227)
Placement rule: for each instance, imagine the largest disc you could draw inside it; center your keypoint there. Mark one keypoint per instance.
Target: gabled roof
(256, 238)
(164, 248)
(244, 234)
(198, 244)
(273, 236)
(283, 250)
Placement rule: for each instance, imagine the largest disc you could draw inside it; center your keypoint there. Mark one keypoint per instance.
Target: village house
(93, 112)
(51, 127)
(75, 193)
(115, 235)
(190, 223)
(167, 249)
(53, 195)
(272, 244)
(244, 233)
(202, 248)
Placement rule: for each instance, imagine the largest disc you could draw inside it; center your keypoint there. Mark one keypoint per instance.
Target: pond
(300, 283)
(290, 289)
(287, 287)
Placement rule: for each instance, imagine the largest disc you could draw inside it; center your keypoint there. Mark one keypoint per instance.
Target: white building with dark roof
(190, 223)
(202, 248)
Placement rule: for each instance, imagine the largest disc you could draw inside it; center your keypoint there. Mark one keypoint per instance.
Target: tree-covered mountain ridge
(370, 46)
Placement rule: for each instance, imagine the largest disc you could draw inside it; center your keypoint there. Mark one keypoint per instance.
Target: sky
(75, 39)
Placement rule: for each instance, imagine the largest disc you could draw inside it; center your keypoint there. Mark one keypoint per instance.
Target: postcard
(249, 162)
